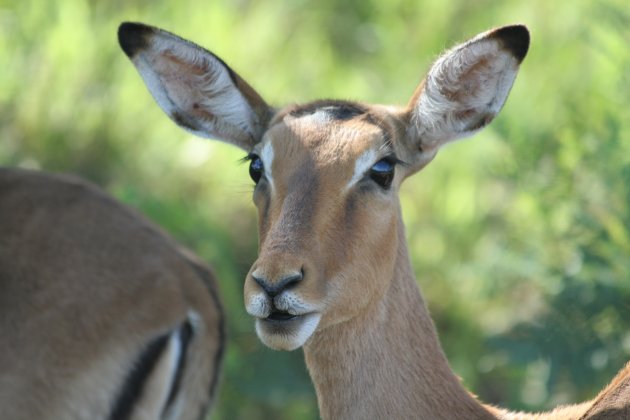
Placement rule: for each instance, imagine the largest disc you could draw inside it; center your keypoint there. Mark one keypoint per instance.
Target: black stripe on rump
(132, 388)
(131, 391)
(185, 334)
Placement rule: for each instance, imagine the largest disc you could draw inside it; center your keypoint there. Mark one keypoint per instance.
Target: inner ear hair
(467, 86)
(194, 87)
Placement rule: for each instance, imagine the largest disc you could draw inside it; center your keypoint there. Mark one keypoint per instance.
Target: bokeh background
(519, 237)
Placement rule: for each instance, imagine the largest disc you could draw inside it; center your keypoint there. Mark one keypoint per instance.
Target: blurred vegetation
(520, 237)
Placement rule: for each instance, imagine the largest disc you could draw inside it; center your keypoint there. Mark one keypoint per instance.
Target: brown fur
(373, 351)
(86, 284)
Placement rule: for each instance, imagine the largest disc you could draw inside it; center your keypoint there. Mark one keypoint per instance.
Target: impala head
(327, 173)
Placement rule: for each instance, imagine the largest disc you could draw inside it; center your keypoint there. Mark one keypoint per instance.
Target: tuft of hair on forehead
(330, 111)
(333, 110)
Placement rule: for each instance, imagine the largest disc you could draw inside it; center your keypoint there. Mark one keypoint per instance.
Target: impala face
(327, 176)
(327, 173)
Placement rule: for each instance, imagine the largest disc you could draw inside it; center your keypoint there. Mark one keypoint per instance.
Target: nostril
(291, 281)
(263, 283)
(274, 288)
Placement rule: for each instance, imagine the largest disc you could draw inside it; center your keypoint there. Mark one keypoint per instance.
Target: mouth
(280, 316)
(282, 330)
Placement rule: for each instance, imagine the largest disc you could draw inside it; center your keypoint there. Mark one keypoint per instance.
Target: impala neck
(387, 362)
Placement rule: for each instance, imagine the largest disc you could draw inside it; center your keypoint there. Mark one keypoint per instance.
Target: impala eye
(383, 172)
(256, 168)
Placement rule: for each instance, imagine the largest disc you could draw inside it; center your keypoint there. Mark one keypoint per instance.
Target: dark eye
(256, 168)
(383, 172)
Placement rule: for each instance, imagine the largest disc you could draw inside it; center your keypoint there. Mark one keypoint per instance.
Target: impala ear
(194, 87)
(466, 87)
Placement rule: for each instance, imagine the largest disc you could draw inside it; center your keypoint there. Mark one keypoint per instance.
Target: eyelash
(383, 178)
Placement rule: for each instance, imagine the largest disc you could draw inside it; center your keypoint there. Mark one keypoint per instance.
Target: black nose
(274, 288)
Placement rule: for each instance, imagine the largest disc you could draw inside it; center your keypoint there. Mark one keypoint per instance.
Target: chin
(287, 334)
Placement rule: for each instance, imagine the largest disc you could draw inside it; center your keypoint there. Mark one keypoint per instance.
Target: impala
(333, 273)
(102, 316)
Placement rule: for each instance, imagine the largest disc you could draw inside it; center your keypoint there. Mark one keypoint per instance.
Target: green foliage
(519, 237)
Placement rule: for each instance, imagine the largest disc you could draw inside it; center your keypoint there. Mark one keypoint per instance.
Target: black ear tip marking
(515, 38)
(132, 37)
